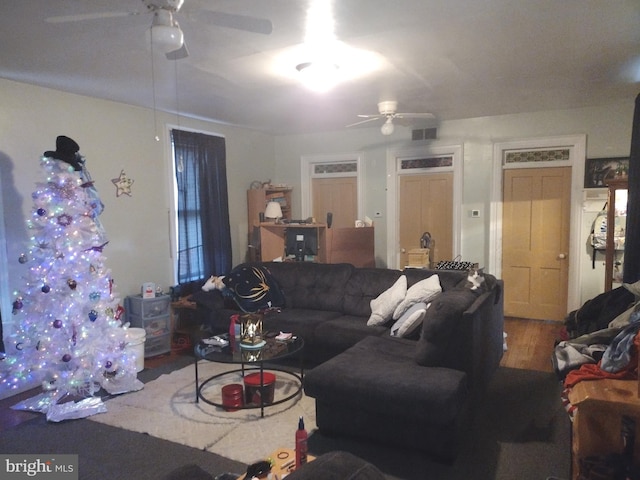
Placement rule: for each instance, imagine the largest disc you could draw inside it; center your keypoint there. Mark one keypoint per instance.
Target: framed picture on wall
(598, 170)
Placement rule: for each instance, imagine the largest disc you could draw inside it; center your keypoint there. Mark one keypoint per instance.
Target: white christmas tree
(69, 336)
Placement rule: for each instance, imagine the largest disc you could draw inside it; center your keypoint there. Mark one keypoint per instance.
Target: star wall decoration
(123, 184)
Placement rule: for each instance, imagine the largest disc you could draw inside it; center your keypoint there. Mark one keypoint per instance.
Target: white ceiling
(453, 58)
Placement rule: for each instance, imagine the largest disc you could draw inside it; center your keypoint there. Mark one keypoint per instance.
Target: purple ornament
(66, 357)
(108, 364)
(93, 315)
(41, 212)
(45, 288)
(23, 258)
(72, 284)
(57, 324)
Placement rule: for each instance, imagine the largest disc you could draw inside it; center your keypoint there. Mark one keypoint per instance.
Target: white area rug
(165, 408)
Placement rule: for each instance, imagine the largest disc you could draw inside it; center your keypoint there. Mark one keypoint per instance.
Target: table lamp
(273, 211)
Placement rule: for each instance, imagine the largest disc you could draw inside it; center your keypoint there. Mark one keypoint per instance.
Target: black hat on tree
(67, 151)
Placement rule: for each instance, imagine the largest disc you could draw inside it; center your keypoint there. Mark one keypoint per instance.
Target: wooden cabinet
(616, 227)
(257, 200)
(351, 245)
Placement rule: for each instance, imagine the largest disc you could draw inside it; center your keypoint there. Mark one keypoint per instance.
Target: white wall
(113, 137)
(608, 131)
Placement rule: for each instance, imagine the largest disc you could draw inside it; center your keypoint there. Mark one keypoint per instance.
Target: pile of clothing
(600, 340)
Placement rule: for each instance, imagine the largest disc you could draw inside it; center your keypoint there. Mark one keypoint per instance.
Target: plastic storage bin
(157, 345)
(148, 307)
(151, 314)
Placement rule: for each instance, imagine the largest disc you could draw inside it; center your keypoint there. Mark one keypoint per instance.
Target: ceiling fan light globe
(166, 38)
(387, 128)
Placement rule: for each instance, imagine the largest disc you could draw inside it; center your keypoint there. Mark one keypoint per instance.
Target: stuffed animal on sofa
(214, 283)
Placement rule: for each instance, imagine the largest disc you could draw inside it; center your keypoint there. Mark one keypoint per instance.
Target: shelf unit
(152, 314)
(616, 225)
(257, 199)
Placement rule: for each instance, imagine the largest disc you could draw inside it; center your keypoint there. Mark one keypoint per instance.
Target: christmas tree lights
(69, 337)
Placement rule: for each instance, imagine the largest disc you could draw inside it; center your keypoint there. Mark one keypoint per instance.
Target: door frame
(307, 163)
(394, 157)
(577, 154)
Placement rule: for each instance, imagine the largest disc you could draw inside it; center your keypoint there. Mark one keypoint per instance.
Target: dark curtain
(204, 234)
(631, 267)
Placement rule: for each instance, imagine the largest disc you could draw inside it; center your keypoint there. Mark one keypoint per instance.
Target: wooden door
(535, 242)
(426, 205)
(338, 195)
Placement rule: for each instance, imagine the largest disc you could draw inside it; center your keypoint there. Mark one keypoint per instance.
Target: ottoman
(375, 390)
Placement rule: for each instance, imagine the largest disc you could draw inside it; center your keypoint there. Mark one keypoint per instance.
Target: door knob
(403, 250)
(562, 256)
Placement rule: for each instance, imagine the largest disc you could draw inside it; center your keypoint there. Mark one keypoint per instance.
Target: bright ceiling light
(387, 127)
(166, 38)
(318, 76)
(165, 32)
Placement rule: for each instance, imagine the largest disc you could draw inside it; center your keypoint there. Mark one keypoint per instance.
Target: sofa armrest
(486, 321)
(338, 465)
(211, 300)
(464, 332)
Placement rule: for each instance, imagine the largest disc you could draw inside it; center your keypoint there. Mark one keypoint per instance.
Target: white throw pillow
(410, 320)
(423, 291)
(383, 306)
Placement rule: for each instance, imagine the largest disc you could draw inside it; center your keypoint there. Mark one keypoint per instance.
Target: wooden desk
(335, 245)
(272, 239)
(597, 421)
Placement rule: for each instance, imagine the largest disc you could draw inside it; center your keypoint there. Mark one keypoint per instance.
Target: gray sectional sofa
(413, 392)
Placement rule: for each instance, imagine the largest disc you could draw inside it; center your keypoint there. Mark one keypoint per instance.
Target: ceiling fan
(388, 111)
(165, 30)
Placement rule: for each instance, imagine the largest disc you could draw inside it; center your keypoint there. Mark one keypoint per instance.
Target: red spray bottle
(301, 444)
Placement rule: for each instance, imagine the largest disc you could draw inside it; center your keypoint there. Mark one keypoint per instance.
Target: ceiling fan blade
(376, 117)
(182, 52)
(414, 115)
(237, 22)
(80, 17)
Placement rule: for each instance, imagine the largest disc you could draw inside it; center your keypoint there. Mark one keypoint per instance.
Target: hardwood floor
(530, 345)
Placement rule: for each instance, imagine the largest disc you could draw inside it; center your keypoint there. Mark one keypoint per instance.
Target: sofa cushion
(254, 288)
(379, 374)
(439, 323)
(318, 286)
(410, 320)
(383, 306)
(299, 321)
(340, 333)
(448, 278)
(422, 291)
(364, 285)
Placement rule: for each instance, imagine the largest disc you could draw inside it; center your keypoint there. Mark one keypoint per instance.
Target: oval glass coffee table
(251, 360)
